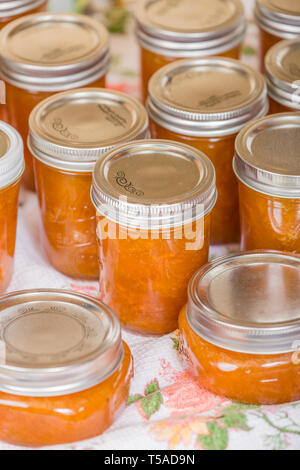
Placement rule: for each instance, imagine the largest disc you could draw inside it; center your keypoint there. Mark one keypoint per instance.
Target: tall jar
(205, 103)
(153, 201)
(276, 21)
(171, 30)
(267, 165)
(65, 372)
(46, 53)
(240, 328)
(11, 170)
(283, 72)
(68, 133)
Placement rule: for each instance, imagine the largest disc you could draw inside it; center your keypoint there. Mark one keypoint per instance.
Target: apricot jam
(153, 201)
(11, 170)
(205, 103)
(276, 20)
(240, 329)
(267, 165)
(65, 372)
(46, 53)
(171, 30)
(68, 133)
(283, 72)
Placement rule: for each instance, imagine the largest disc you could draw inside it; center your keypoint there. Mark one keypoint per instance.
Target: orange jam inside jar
(240, 329)
(12, 9)
(68, 133)
(205, 103)
(11, 170)
(153, 201)
(46, 53)
(267, 165)
(276, 20)
(283, 72)
(65, 370)
(171, 30)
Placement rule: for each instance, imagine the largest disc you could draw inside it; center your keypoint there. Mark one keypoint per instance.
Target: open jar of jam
(240, 329)
(153, 201)
(276, 20)
(205, 103)
(65, 372)
(168, 31)
(13, 9)
(283, 72)
(11, 170)
(68, 133)
(267, 165)
(46, 53)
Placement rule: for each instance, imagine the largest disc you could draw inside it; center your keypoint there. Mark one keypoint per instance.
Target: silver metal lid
(154, 184)
(12, 163)
(268, 155)
(283, 72)
(206, 97)
(280, 18)
(190, 28)
(71, 130)
(10, 8)
(249, 303)
(53, 51)
(56, 343)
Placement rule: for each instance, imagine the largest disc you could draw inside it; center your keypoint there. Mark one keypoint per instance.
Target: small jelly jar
(240, 329)
(65, 372)
(267, 165)
(168, 31)
(12, 9)
(11, 170)
(283, 71)
(205, 103)
(153, 201)
(46, 53)
(68, 133)
(276, 20)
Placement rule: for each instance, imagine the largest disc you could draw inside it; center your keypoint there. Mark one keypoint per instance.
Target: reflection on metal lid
(279, 17)
(10, 8)
(11, 155)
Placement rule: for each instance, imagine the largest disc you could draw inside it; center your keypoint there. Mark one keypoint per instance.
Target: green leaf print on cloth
(151, 401)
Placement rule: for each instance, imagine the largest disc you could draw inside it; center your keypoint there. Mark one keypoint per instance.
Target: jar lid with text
(248, 303)
(10, 8)
(206, 97)
(71, 130)
(53, 51)
(280, 18)
(12, 162)
(55, 343)
(190, 28)
(267, 155)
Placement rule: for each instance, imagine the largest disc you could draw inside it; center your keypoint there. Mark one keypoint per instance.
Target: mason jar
(46, 53)
(12, 9)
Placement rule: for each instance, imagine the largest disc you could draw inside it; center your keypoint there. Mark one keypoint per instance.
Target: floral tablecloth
(167, 408)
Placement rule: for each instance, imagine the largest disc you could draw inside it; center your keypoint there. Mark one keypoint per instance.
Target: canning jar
(205, 103)
(11, 170)
(46, 53)
(65, 372)
(153, 201)
(171, 30)
(283, 73)
(276, 20)
(267, 165)
(12, 9)
(240, 329)
(68, 133)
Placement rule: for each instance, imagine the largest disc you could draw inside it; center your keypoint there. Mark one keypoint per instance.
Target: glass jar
(240, 329)
(205, 103)
(11, 170)
(153, 201)
(12, 9)
(46, 53)
(283, 72)
(276, 20)
(171, 30)
(68, 133)
(65, 372)
(267, 166)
